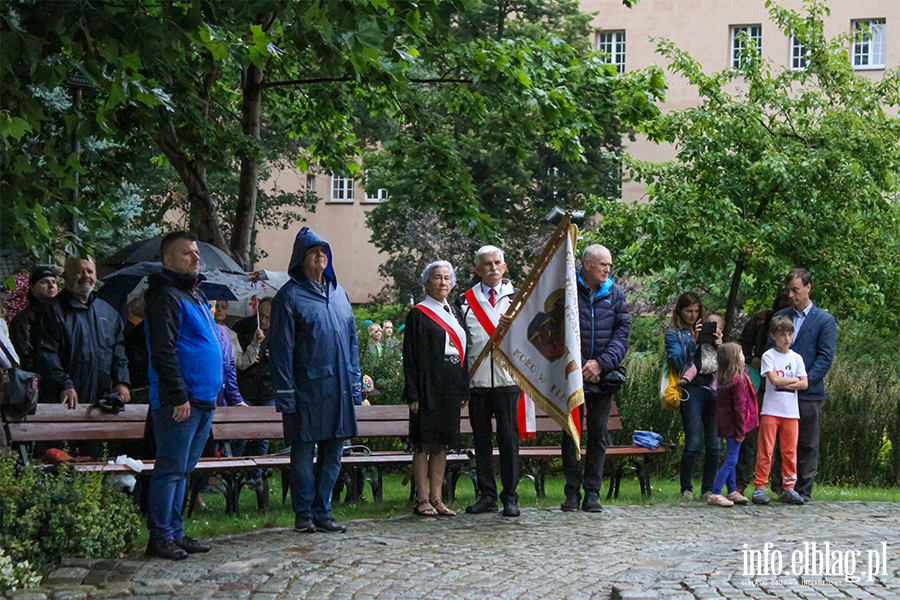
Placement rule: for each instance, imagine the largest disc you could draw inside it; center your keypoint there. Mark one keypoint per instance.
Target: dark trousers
(698, 417)
(807, 451)
(595, 411)
(500, 404)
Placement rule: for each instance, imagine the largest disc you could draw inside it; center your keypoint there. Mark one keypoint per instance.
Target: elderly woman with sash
(437, 384)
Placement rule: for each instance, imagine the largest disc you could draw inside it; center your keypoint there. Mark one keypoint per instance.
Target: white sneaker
(738, 498)
(718, 500)
(687, 496)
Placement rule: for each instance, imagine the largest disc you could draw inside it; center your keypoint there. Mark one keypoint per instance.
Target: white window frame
(342, 189)
(799, 55)
(737, 45)
(380, 195)
(612, 42)
(868, 48)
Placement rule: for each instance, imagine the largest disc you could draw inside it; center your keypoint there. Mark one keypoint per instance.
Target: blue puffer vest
(604, 324)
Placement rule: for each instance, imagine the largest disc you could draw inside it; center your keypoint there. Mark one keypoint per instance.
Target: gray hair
(426, 272)
(594, 251)
(487, 251)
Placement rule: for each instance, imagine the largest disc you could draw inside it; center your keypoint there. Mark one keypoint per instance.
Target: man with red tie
(493, 392)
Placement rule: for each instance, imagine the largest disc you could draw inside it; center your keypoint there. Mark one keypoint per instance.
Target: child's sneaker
(759, 496)
(791, 497)
(737, 498)
(687, 496)
(718, 500)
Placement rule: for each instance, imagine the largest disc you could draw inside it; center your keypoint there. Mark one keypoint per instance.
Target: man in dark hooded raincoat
(314, 355)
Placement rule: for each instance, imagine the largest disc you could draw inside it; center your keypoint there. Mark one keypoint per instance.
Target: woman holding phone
(698, 409)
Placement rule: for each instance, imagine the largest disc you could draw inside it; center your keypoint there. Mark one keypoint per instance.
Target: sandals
(442, 509)
(430, 511)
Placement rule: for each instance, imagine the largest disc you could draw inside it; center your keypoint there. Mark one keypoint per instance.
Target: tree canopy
(775, 168)
(534, 118)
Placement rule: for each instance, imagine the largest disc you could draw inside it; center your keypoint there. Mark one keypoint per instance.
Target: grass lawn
(213, 522)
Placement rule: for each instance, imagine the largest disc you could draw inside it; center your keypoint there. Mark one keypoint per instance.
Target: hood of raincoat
(306, 239)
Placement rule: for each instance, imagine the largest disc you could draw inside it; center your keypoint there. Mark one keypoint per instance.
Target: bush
(16, 575)
(860, 430)
(48, 516)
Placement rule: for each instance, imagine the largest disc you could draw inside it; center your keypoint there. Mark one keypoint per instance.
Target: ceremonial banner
(542, 347)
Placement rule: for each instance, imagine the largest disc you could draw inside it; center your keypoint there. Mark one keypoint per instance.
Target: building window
(613, 44)
(341, 189)
(868, 44)
(380, 195)
(311, 183)
(752, 34)
(798, 55)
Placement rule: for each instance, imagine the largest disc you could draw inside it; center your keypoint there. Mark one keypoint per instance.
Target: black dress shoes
(329, 525)
(165, 549)
(511, 509)
(570, 505)
(191, 546)
(591, 504)
(304, 525)
(483, 505)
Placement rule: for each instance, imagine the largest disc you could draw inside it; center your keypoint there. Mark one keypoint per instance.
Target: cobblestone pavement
(660, 551)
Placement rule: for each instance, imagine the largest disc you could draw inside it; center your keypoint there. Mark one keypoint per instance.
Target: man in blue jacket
(604, 326)
(316, 376)
(815, 337)
(185, 378)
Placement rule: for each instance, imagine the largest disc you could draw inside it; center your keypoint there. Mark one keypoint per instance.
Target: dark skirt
(437, 422)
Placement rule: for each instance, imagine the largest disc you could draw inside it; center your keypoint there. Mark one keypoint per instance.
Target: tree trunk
(203, 217)
(244, 218)
(732, 297)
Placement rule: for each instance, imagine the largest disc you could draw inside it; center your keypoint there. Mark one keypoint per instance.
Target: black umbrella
(211, 258)
(118, 286)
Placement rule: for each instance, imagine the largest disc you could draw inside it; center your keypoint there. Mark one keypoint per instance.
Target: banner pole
(527, 287)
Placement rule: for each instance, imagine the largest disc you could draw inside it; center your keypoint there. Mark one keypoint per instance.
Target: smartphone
(707, 333)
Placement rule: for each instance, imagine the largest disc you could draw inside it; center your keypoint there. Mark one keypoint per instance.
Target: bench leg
(23, 453)
(644, 478)
(285, 483)
(262, 495)
(376, 482)
(540, 479)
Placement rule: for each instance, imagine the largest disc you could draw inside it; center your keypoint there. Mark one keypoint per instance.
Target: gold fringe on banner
(564, 419)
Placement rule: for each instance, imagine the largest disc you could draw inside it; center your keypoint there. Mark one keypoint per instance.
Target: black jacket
(79, 346)
(254, 382)
(21, 329)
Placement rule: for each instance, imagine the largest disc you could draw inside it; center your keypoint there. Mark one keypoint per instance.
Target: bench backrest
(262, 422)
(55, 422)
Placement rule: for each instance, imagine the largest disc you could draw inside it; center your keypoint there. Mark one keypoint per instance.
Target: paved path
(659, 551)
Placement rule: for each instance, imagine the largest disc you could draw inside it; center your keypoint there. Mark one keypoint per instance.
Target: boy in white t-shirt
(785, 374)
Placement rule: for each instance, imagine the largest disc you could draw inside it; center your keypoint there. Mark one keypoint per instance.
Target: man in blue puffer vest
(185, 377)
(604, 341)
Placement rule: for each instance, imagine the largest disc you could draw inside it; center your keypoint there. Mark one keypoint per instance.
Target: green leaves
(792, 168)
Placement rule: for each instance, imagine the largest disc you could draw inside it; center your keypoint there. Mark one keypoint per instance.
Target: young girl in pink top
(736, 414)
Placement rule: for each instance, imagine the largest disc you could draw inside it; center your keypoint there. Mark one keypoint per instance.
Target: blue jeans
(727, 471)
(311, 485)
(698, 417)
(178, 448)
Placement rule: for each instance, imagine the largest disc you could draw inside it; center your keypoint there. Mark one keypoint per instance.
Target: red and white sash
(489, 318)
(434, 310)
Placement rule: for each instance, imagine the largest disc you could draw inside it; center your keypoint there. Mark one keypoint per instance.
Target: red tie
(493, 297)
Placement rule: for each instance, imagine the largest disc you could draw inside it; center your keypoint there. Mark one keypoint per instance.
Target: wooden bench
(379, 421)
(537, 458)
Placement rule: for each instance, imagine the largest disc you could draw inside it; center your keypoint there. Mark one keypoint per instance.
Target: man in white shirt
(493, 392)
